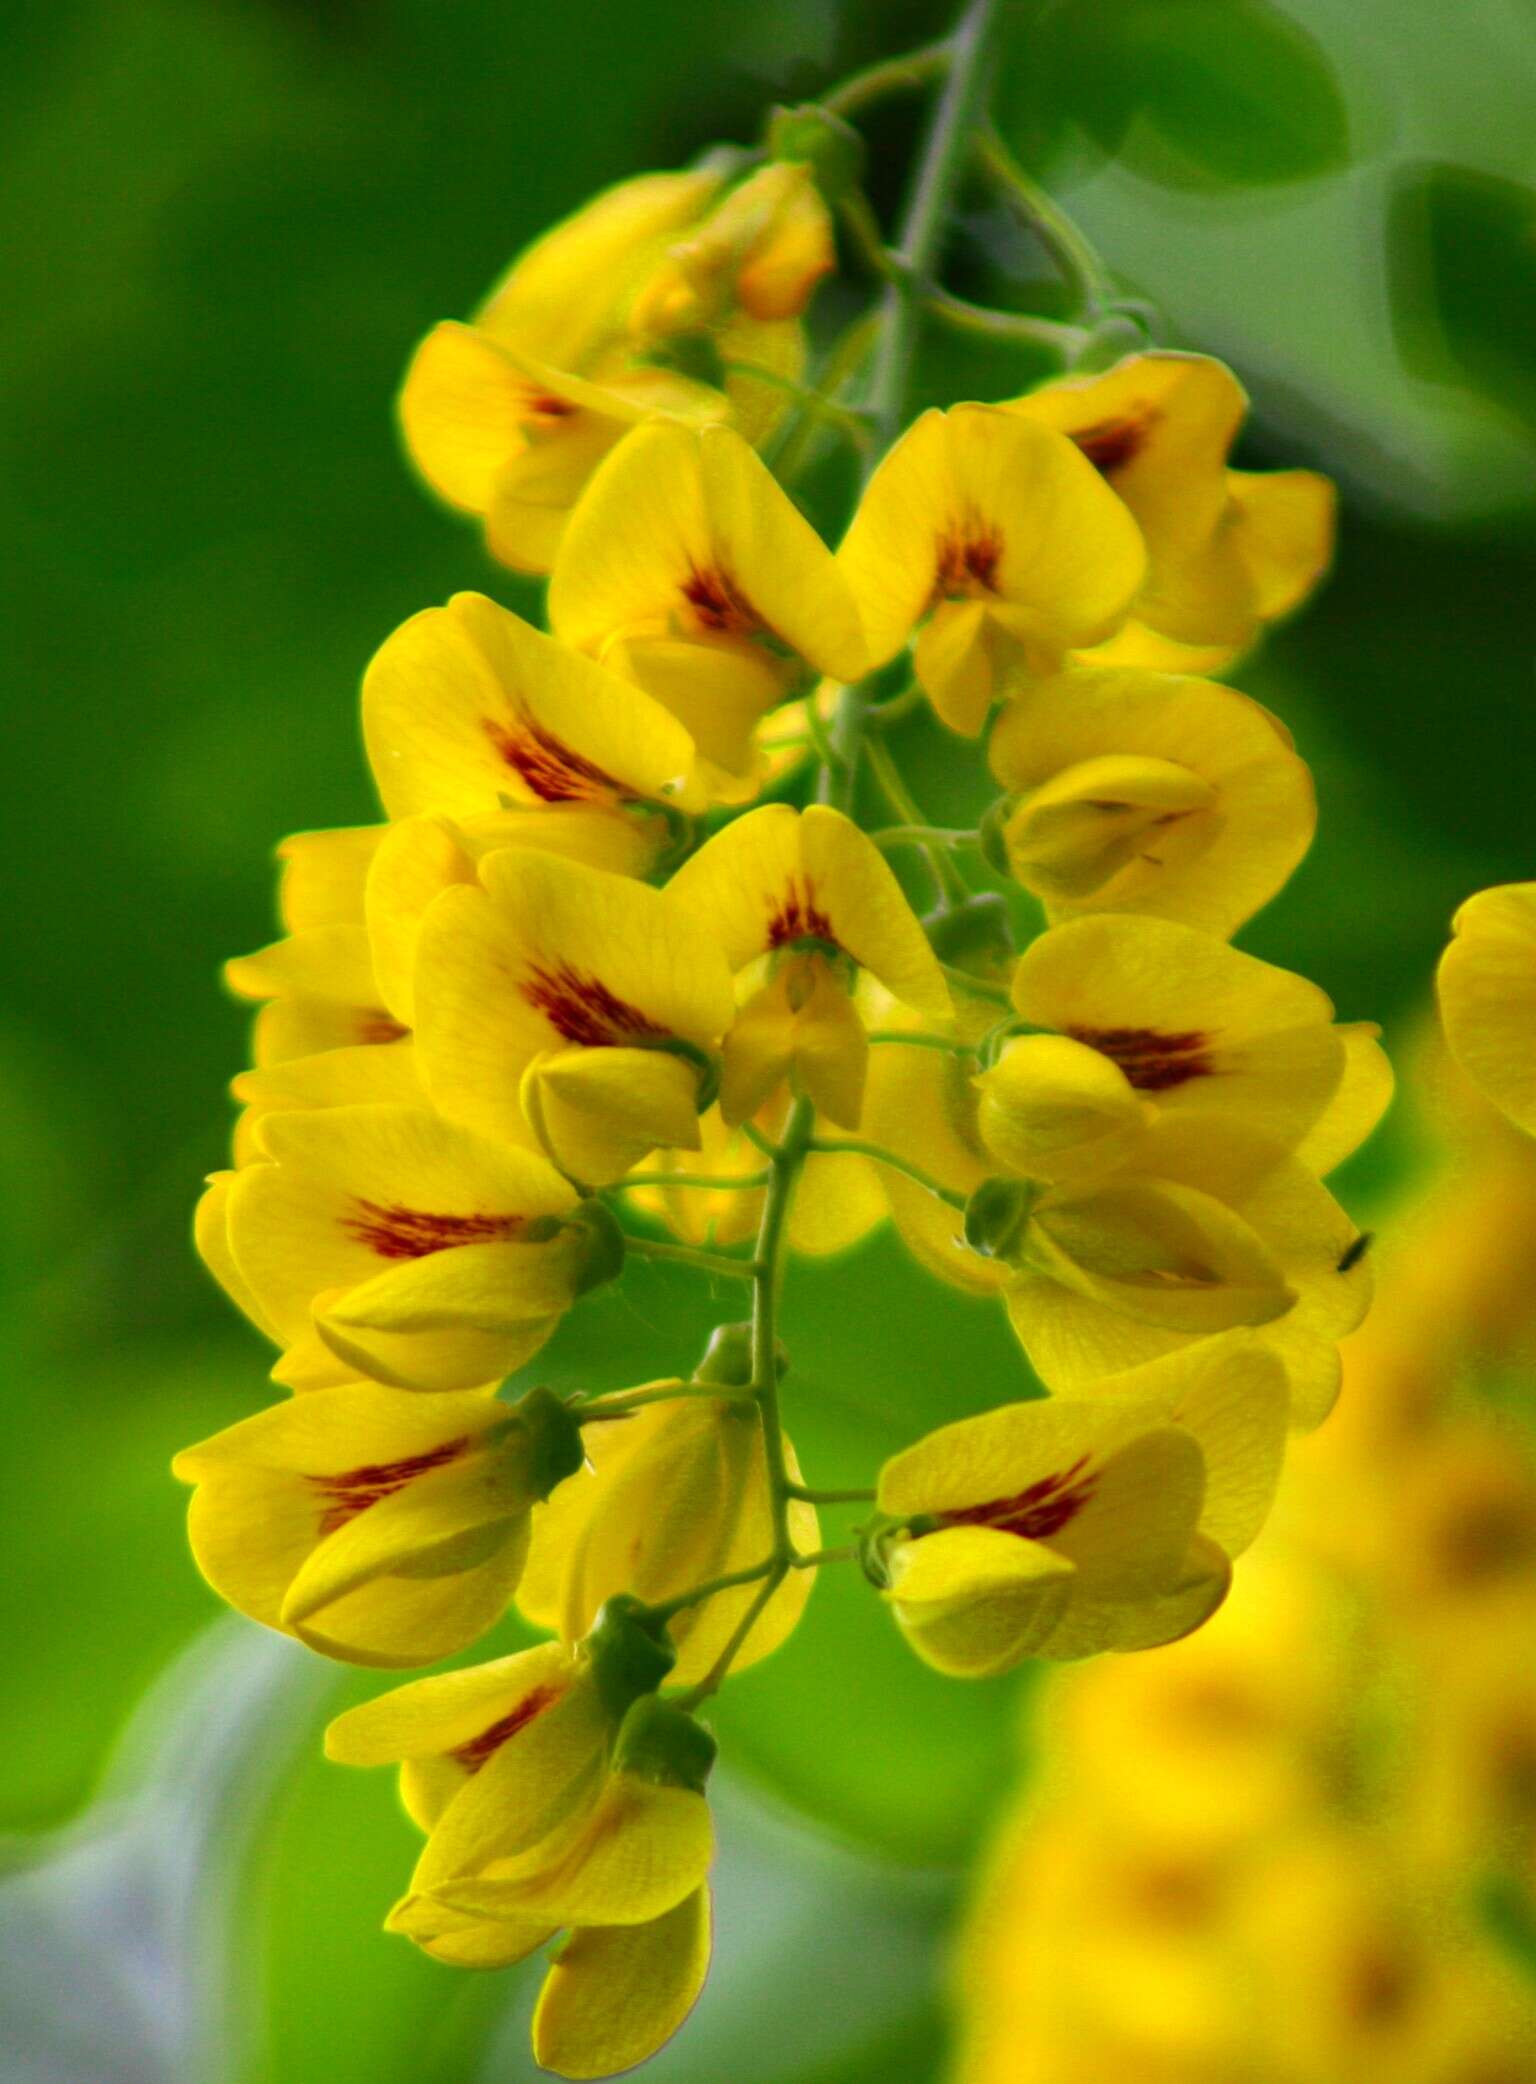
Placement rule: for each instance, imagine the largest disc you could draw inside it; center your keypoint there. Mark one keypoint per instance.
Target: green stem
(922, 836)
(817, 1557)
(901, 75)
(855, 1147)
(912, 1041)
(689, 1255)
(1029, 329)
(882, 765)
(815, 1497)
(922, 227)
(976, 986)
(1086, 274)
(842, 418)
(719, 1183)
(623, 1401)
(697, 1594)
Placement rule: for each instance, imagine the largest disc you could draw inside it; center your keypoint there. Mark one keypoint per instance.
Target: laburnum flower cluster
(620, 957)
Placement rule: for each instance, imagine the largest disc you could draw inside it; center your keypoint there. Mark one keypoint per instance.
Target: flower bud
(629, 1655)
(1054, 1109)
(662, 1743)
(997, 1215)
(832, 149)
(728, 1357)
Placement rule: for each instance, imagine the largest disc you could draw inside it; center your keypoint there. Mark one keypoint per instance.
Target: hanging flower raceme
(583, 974)
(385, 1241)
(1002, 542)
(1146, 792)
(689, 570)
(802, 900)
(1488, 997)
(1227, 550)
(378, 1527)
(1057, 1530)
(564, 1007)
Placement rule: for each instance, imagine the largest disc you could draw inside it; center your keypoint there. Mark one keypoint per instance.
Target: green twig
(1086, 275)
(906, 74)
(855, 1147)
(690, 1255)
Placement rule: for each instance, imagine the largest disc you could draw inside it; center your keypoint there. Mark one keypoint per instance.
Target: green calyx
(602, 1249)
(706, 1064)
(816, 138)
(992, 834)
(997, 1216)
(975, 935)
(629, 1654)
(662, 1743)
(550, 1440)
(728, 1358)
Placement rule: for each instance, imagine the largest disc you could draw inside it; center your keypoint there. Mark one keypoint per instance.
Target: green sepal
(814, 137)
(992, 835)
(728, 1358)
(602, 1258)
(662, 1743)
(975, 935)
(552, 1439)
(704, 1062)
(630, 1654)
(997, 1215)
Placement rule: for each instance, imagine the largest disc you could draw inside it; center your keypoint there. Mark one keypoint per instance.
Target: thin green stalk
(817, 1557)
(912, 1041)
(1029, 329)
(842, 419)
(697, 1594)
(882, 765)
(922, 836)
(923, 223)
(716, 1182)
(623, 1401)
(976, 986)
(914, 69)
(689, 1255)
(855, 1147)
(1086, 274)
(815, 1497)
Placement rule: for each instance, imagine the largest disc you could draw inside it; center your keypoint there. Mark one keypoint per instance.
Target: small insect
(1355, 1251)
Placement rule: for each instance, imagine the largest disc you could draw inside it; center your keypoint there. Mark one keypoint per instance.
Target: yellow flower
(1211, 1226)
(689, 570)
(385, 1241)
(1143, 1018)
(564, 1005)
(617, 1993)
(1488, 997)
(1148, 792)
(797, 898)
(997, 537)
(469, 710)
(381, 1528)
(1227, 550)
(320, 991)
(672, 1496)
(347, 1077)
(323, 875)
(764, 246)
(506, 417)
(1059, 1529)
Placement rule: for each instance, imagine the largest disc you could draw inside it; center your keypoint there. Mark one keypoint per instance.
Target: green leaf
(1191, 93)
(1463, 281)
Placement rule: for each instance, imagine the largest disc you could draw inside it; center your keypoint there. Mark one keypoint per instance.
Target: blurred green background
(226, 222)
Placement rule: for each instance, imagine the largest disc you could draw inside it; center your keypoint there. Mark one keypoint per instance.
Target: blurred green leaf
(1191, 93)
(1463, 278)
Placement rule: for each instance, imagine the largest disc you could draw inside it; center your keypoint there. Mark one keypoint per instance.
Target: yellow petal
(1362, 1097)
(684, 531)
(1487, 985)
(617, 1993)
(323, 874)
(1208, 848)
(462, 1941)
(1282, 524)
(598, 1111)
(1052, 1108)
(973, 1602)
(468, 706)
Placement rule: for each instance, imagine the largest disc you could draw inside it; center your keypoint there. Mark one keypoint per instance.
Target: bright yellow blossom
(800, 900)
(322, 876)
(562, 1005)
(1150, 792)
(467, 709)
(672, 1496)
(1002, 542)
(1059, 1529)
(1212, 1226)
(1142, 1018)
(381, 1528)
(1488, 997)
(347, 1077)
(688, 569)
(385, 1241)
(319, 991)
(616, 1993)
(1227, 550)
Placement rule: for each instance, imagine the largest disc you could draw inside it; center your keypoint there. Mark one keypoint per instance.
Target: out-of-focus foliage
(226, 222)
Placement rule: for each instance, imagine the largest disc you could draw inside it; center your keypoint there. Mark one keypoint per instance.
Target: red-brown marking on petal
(798, 917)
(545, 405)
(1153, 1062)
(355, 1490)
(549, 767)
(716, 602)
(1110, 444)
(397, 1232)
(583, 1010)
(473, 1755)
(375, 1025)
(1035, 1513)
(967, 562)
